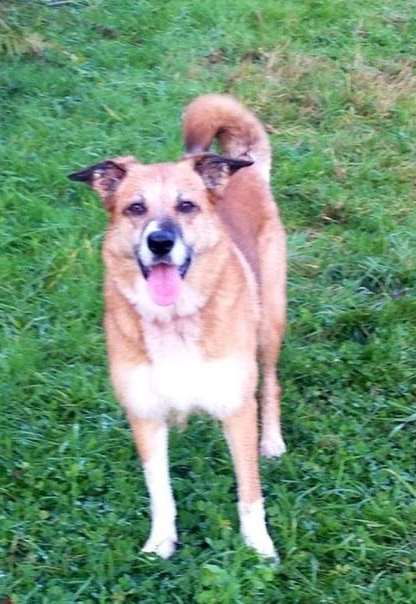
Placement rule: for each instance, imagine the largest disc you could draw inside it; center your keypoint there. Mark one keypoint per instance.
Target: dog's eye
(186, 207)
(136, 209)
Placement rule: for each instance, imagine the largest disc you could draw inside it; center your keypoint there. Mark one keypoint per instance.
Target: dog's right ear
(216, 170)
(105, 177)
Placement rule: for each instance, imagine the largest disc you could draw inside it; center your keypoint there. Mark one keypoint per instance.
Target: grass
(336, 84)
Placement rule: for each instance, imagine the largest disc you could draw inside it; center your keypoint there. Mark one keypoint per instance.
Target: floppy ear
(215, 170)
(105, 177)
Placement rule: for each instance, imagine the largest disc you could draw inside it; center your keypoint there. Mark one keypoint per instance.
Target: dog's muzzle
(162, 243)
(164, 259)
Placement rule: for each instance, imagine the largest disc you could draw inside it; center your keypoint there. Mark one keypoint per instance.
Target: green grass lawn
(335, 82)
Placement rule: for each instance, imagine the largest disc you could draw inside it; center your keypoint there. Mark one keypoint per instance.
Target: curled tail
(238, 131)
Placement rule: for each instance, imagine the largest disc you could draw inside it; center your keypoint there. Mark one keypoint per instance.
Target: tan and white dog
(195, 261)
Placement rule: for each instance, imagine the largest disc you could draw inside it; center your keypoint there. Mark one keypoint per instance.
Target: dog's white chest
(179, 379)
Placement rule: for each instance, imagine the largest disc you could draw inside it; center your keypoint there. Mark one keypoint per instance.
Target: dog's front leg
(241, 434)
(151, 438)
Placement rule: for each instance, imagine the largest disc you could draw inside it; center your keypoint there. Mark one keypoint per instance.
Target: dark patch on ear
(103, 178)
(107, 172)
(215, 170)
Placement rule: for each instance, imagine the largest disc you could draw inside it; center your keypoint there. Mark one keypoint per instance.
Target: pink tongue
(164, 284)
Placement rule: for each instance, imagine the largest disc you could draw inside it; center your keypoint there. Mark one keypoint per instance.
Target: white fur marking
(272, 443)
(183, 382)
(163, 536)
(253, 528)
(178, 253)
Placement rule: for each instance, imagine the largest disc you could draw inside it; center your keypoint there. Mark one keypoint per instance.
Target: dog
(195, 259)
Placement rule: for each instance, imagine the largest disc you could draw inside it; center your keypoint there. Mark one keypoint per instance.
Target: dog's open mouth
(164, 281)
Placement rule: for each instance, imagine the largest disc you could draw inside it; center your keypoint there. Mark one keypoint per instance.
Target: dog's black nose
(160, 242)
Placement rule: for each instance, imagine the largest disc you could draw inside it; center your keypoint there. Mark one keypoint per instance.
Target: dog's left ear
(105, 177)
(215, 170)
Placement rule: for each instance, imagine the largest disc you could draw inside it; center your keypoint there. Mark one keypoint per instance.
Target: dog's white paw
(254, 530)
(163, 548)
(263, 545)
(272, 445)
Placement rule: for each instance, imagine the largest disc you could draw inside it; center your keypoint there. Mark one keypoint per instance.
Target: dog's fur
(195, 349)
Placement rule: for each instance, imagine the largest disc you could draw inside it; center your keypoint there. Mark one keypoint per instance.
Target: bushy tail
(238, 131)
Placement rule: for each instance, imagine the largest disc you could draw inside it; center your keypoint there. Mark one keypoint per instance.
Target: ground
(335, 83)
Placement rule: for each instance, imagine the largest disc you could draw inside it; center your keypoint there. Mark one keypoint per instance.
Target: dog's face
(162, 215)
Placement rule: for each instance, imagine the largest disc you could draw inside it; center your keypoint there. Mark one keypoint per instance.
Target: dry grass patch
(379, 89)
(290, 68)
(18, 41)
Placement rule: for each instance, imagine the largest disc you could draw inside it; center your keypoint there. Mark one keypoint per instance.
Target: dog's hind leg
(271, 441)
(241, 434)
(272, 261)
(151, 438)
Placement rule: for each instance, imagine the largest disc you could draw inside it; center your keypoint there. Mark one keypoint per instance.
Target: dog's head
(162, 215)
